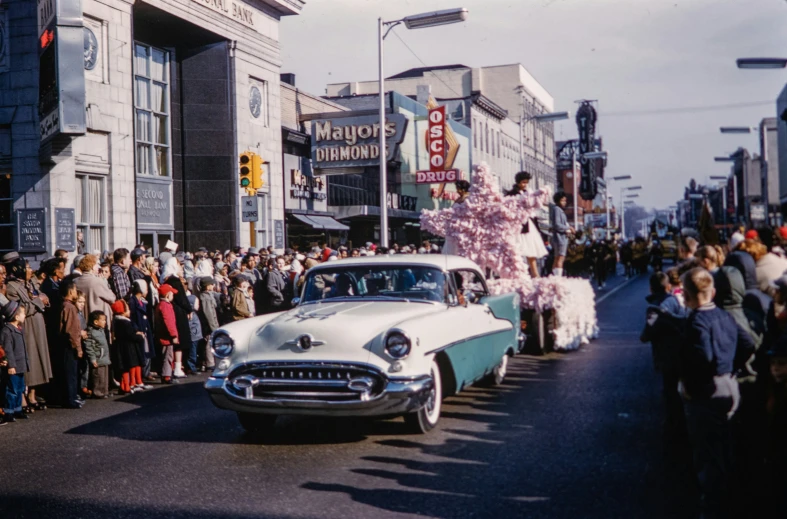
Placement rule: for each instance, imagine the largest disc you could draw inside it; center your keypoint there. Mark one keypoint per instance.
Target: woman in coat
(20, 289)
(172, 277)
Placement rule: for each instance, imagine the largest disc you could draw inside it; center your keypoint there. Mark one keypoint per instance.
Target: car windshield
(401, 282)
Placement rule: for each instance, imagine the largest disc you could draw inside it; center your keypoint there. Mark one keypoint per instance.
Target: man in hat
(169, 251)
(135, 271)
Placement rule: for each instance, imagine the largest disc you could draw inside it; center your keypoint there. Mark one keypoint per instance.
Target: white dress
(530, 244)
(450, 245)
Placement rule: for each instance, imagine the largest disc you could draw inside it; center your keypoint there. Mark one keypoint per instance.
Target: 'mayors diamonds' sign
(354, 141)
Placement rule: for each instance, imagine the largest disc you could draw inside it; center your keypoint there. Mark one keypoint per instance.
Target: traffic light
(256, 172)
(245, 162)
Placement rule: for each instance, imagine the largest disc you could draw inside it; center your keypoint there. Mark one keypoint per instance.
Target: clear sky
(641, 59)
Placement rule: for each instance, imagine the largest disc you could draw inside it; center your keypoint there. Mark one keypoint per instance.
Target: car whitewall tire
(499, 371)
(426, 418)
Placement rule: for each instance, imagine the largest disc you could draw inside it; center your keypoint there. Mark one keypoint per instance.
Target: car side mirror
(296, 301)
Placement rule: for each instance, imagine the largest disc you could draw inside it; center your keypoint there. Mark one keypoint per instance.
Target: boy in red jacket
(166, 332)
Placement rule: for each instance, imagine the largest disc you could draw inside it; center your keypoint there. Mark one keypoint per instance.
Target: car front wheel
(257, 423)
(426, 418)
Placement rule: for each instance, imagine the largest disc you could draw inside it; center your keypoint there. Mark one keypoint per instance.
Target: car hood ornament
(305, 342)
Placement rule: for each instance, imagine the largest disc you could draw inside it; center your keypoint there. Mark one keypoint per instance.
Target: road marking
(602, 298)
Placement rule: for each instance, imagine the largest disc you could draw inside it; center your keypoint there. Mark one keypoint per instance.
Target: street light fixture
(718, 177)
(433, 19)
(550, 117)
(416, 21)
(632, 196)
(761, 63)
(724, 159)
(622, 177)
(735, 129)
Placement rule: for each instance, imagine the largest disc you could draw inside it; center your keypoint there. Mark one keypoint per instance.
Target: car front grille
(326, 382)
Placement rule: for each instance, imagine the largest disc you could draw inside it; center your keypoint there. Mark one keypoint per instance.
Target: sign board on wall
(248, 209)
(154, 203)
(31, 230)
(435, 177)
(757, 212)
(65, 229)
(436, 138)
(278, 234)
(354, 141)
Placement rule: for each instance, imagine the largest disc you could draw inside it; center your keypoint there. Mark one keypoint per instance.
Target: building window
(475, 134)
(90, 211)
(6, 213)
(151, 103)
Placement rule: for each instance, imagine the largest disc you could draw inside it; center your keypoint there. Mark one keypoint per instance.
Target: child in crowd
(715, 347)
(13, 374)
(196, 332)
(166, 332)
(130, 347)
(209, 301)
(84, 363)
(138, 305)
(97, 350)
(665, 320)
(70, 344)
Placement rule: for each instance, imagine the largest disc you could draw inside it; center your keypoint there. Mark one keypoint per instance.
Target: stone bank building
(124, 119)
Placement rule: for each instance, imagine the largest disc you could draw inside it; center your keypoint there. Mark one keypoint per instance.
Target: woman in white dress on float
(529, 242)
(463, 190)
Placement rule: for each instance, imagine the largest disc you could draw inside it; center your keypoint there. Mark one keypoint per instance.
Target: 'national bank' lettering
(231, 9)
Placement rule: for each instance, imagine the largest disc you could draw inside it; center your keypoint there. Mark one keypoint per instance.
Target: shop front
(308, 221)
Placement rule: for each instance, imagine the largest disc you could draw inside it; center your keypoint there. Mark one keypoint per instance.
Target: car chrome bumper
(399, 396)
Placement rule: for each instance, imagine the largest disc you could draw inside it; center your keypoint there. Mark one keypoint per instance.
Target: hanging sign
(436, 138)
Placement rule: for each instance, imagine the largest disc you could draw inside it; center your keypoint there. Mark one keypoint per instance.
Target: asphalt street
(568, 435)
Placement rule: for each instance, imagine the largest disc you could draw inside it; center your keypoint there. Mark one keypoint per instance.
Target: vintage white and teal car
(380, 336)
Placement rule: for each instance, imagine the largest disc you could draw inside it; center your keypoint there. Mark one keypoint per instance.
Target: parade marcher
(560, 231)
(16, 361)
(529, 243)
(20, 290)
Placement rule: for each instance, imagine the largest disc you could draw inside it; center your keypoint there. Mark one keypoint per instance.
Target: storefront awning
(321, 222)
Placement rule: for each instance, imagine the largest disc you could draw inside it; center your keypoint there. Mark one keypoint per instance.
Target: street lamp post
(623, 207)
(618, 179)
(416, 21)
(723, 186)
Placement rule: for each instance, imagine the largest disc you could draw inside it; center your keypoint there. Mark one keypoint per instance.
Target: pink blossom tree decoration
(486, 225)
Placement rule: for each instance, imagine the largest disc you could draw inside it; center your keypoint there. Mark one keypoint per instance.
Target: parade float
(484, 229)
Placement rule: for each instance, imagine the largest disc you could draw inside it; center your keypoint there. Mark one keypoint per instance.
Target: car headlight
(222, 345)
(397, 345)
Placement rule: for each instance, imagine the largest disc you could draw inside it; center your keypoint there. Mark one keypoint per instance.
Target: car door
(478, 351)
